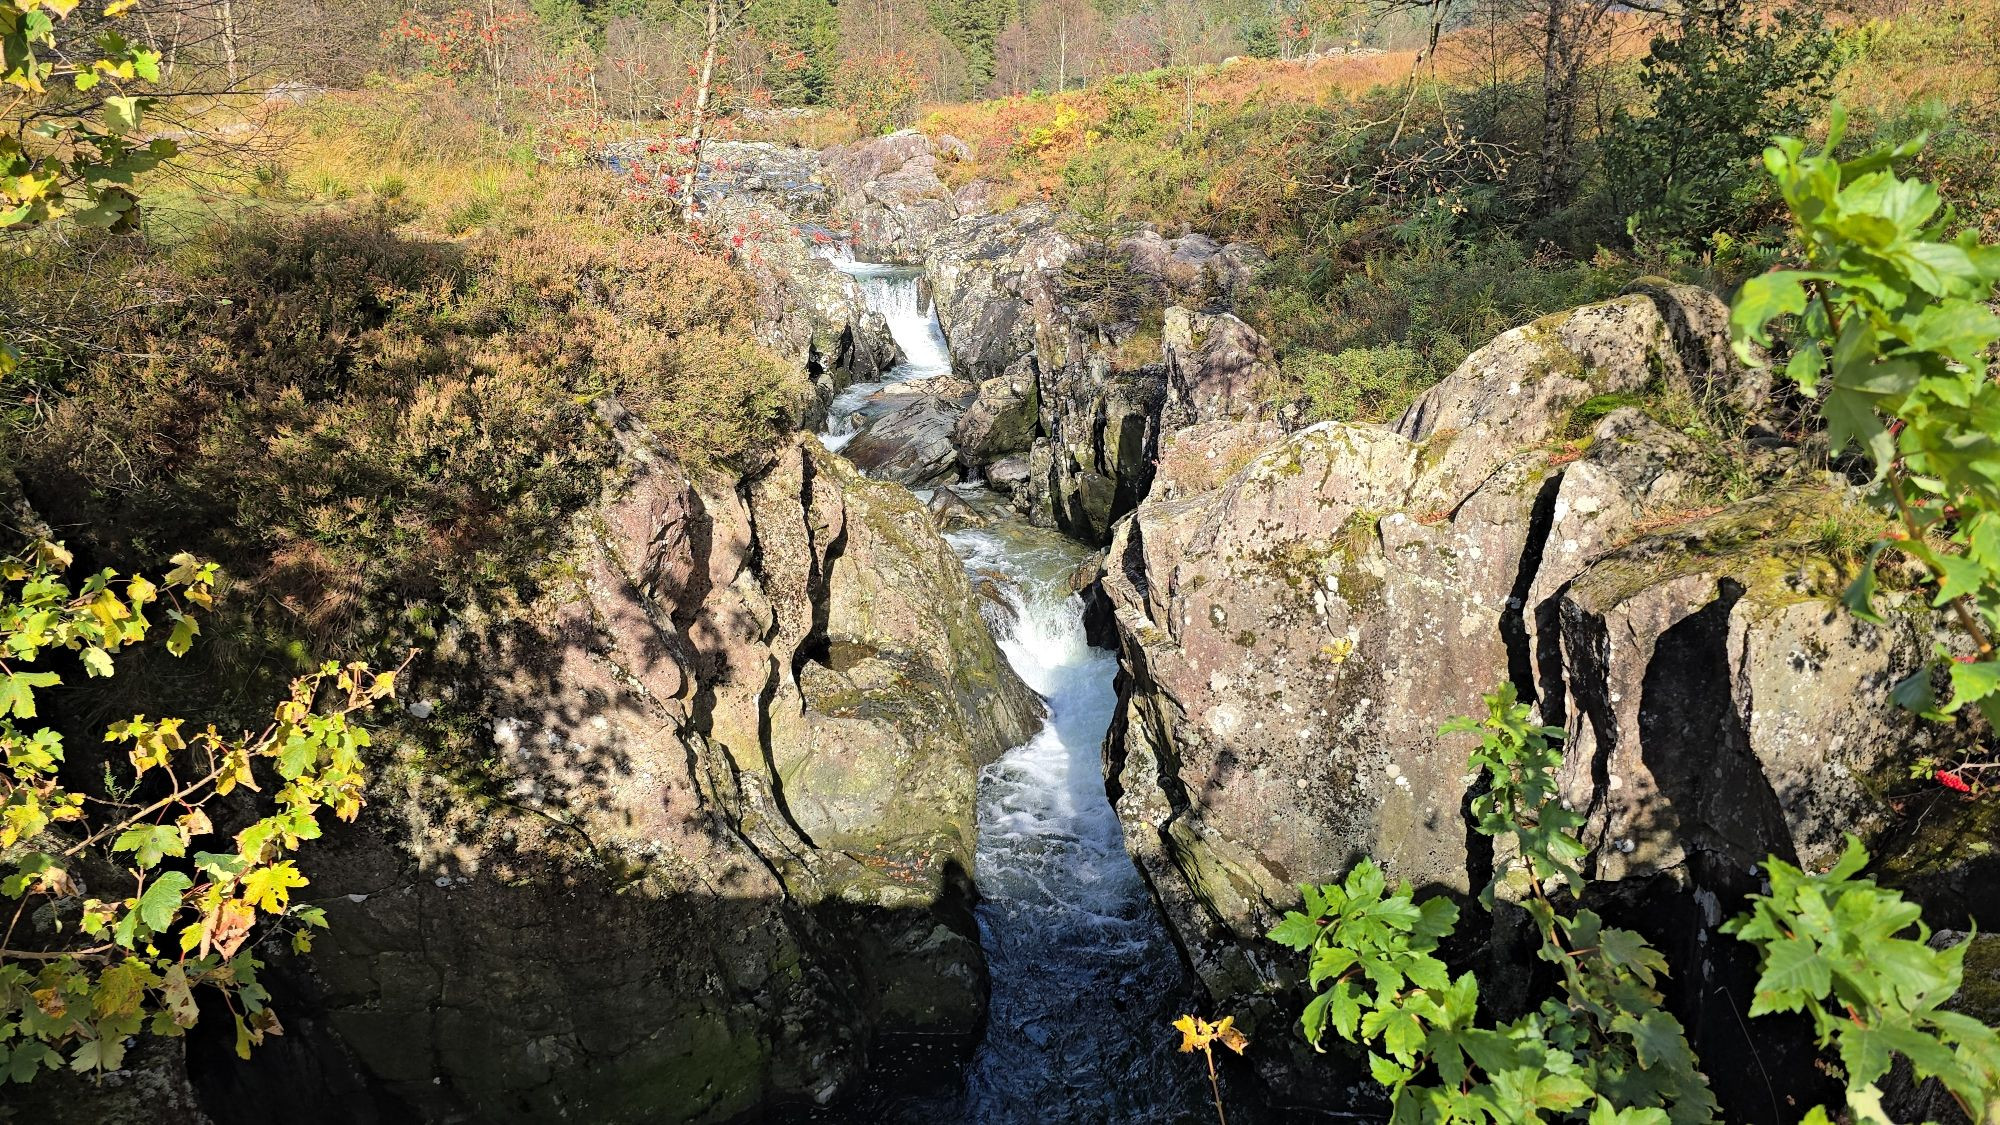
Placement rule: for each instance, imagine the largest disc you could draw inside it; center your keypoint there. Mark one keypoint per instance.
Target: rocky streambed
(1083, 976)
(920, 770)
(1296, 609)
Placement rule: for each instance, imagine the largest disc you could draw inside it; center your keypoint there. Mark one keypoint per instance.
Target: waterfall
(1084, 978)
(1085, 981)
(895, 292)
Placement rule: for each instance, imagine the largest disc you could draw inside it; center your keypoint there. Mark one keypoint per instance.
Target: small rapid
(1084, 978)
(1085, 981)
(896, 292)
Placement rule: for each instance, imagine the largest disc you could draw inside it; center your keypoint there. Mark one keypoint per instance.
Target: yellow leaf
(196, 823)
(1193, 1036)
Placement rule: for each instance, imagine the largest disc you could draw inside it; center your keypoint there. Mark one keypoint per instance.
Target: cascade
(895, 292)
(1084, 978)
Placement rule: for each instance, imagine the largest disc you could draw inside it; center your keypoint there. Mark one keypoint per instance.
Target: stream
(1085, 981)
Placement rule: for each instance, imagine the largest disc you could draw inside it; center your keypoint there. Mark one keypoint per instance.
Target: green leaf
(122, 114)
(162, 900)
(149, 843)
(1761, 300)
(1972, 682)
(185, 630)
(1296, 931)
(17, 695)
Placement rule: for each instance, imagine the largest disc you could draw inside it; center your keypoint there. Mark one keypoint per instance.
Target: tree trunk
(701, 109)
(229, 41)
(1566, 33)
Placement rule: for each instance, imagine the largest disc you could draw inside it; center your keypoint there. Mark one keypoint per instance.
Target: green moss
(1979, 995)
(1584, 416)
(1557, 357)
(1771, 545)
(724, 1071)
(1432, 452)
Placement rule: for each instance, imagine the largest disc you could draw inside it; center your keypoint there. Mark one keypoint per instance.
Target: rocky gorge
(1057, 613)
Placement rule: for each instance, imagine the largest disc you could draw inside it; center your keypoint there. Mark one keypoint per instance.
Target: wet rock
(950, 512)
(994, 280)
(1008, 475)
(911, 445)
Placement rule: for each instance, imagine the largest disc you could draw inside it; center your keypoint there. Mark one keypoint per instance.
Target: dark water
(1085, 983)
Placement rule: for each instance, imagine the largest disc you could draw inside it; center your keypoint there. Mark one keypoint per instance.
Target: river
(1085, 981)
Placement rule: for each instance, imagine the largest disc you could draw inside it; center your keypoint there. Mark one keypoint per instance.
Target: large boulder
(1217, 368)
(911, 445)
(690, 836)
(1001, 420)
(994, 278)
(1297, 617)
(1194, 268)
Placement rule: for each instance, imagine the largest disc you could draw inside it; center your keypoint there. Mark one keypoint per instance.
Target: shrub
(1355, 385)
(356, 418)
(1723, 82)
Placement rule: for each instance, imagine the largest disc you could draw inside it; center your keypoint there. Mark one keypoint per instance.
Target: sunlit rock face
(1298, 613)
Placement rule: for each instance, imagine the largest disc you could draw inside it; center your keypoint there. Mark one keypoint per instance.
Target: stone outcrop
(912, 444)
(808, 312)
(1193, 268)
(1001, 420)
(1298, 614)
(1217, 368)
(888, 189)
(688, 837)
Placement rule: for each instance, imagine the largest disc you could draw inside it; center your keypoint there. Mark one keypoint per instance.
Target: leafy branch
(1886, 319)
(73, 991)
(1605, 1049)
(1857, 959)
(74, 154)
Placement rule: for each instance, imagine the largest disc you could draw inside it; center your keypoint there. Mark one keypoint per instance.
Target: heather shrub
(360, 421)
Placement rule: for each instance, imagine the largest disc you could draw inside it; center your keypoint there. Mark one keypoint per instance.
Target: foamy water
(1084, 979)
(896, 292)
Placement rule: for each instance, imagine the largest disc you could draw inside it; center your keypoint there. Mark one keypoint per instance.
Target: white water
(1084, 980)
(896, 292)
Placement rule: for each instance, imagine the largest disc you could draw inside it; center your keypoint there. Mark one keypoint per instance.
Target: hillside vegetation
(1398, 190)
(326, 313)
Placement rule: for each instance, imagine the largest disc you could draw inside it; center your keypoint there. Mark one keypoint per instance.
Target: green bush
(1722, 83)
(1356, 385)
(1413, 313)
